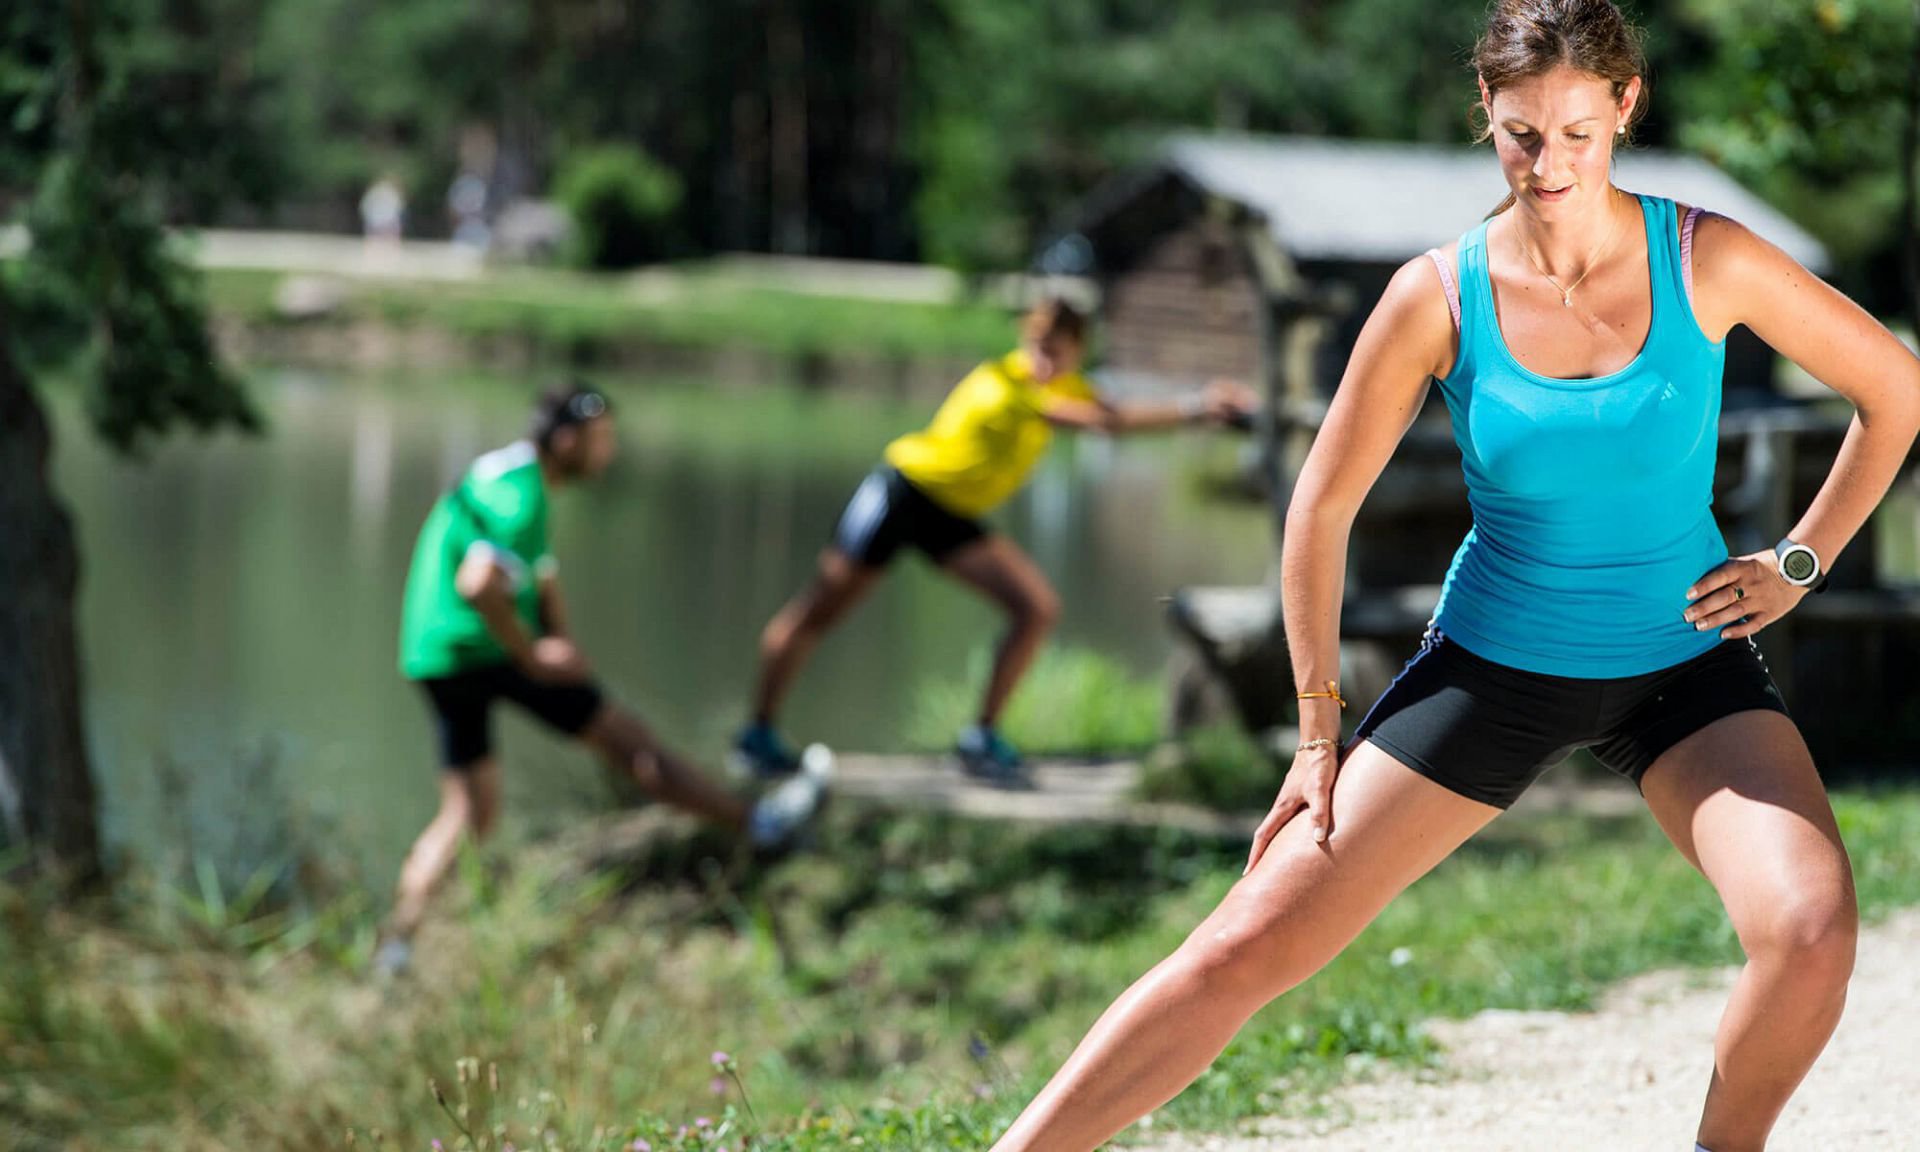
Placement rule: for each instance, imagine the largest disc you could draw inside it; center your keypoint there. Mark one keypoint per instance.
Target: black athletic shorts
(887, 512)
(1488, 731)
(463, 708)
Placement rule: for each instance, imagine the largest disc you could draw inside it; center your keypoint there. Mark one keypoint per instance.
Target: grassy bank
(909, 985)
(597, 316)
(1072, 702)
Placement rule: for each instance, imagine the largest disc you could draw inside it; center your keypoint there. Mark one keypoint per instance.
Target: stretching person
(483, 621)
(931, 493)
(1593, 604)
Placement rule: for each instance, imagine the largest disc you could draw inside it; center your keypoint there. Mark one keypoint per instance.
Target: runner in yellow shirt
(930, 494)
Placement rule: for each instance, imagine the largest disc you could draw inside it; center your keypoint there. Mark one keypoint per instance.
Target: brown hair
(1527, 38)
(1053, 317)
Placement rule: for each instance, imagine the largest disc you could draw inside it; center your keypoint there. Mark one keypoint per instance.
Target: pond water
(241, 596)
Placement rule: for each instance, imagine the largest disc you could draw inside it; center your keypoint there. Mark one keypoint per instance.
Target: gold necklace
(1566, 294)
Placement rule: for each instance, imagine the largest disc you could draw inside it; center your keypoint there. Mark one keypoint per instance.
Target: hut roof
(1372, 201)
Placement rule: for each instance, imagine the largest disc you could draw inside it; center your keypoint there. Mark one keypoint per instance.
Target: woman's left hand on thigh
(1741, 596)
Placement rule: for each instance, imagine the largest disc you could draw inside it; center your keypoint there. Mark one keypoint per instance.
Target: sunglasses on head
(584, 406)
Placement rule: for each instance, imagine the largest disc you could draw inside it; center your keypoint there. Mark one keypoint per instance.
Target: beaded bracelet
(1321, 742)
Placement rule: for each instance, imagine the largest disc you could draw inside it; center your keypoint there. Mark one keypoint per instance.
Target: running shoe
(392, 959)
(758, 751)
(784, 812)
(986, 756)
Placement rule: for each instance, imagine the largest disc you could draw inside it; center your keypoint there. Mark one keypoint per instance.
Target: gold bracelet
(1321, 742)
(1332, 693)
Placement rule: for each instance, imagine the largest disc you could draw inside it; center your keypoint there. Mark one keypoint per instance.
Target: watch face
(1798, 565)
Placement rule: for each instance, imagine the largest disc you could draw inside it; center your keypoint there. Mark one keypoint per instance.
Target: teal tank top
(1591, 498)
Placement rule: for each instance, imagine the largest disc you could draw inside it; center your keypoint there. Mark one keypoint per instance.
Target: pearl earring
(1621, 131)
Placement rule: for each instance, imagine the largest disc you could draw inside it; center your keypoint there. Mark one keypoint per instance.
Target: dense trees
(955, 130)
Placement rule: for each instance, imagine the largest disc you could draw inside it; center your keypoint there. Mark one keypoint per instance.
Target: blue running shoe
(986, 756)
(759, 752)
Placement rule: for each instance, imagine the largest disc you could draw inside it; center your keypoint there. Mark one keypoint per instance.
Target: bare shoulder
(1413, 316)
(1415, 301)
(1738, 274)
(1726, 250)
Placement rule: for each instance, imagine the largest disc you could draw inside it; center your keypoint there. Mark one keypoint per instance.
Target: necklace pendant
(1566, 299)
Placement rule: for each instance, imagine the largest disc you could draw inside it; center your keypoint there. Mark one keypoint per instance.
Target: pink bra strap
(1686, 250)
(1446, 282)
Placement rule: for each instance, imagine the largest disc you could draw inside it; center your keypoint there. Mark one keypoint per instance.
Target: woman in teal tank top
(1591, 495)
(1577, 337)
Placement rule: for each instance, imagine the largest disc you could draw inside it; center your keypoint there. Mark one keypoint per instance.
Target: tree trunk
(787, 129)
(1910, 178)
(46, 783)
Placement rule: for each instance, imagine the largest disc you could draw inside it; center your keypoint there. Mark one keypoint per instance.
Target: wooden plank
(1067, 792)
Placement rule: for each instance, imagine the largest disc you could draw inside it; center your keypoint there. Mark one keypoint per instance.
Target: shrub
(623, 204)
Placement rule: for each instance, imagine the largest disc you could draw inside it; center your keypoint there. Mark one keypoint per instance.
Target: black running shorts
(887, 512)
(463, 708)
(1488, 731)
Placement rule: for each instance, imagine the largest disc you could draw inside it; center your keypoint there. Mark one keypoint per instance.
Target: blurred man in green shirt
(483, 620)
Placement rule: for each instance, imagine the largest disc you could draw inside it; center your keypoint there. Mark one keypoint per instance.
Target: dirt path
(1629, 1076)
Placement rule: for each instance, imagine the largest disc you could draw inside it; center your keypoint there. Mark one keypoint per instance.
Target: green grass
(1216, 767)
(1072, 702)
(907, 987)
(582, 314)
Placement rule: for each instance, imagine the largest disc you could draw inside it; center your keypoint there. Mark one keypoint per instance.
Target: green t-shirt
(501, 504)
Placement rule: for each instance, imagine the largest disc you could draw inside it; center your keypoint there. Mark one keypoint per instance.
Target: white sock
(1699, 1147)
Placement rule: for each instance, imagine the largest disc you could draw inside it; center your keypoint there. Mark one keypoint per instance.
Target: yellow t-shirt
(986, 437)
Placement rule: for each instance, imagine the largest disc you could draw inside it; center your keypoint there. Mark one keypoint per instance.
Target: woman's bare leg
(1299, 907)
(1740, 798)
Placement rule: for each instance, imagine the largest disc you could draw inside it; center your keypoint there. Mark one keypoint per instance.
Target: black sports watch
(1800, 565)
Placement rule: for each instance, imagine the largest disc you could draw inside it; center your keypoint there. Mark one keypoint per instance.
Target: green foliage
(1073, 702)
(1217, 767)
(1804, 101)
(124, 122)
(622, 203)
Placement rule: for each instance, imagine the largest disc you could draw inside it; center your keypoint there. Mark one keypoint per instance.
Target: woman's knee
(1810, 930)
(1242, 958)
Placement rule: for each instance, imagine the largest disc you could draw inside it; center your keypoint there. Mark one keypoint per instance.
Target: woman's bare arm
(1739, 278)
(1406, 341)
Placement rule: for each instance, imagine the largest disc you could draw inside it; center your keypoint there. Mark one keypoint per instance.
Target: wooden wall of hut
(1188, 310)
